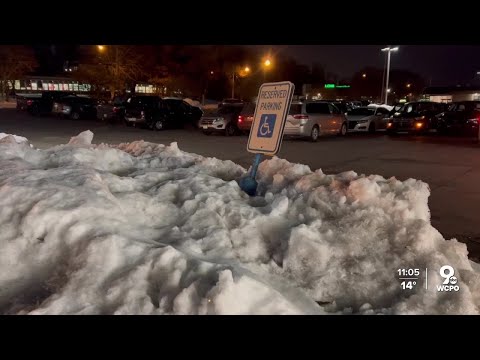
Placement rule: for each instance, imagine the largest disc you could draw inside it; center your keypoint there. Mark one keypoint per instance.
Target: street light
(409, 85)
(101, 47)
(364, 76)
(389, 51)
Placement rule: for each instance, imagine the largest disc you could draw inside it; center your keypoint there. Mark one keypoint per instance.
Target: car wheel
(343, 130)
(159, 125)
(75, 115)
(229, 130)
(371, 128)
(127, 123)
(315, 133)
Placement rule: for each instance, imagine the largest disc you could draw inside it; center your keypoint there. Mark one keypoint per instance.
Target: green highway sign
(329, 86)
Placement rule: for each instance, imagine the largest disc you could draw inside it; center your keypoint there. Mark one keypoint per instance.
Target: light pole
(116, 64)
(266, 65)
(388, 50)
(246, 70)
(233, 83)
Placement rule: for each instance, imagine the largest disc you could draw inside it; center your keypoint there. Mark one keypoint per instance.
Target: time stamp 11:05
(411, 277)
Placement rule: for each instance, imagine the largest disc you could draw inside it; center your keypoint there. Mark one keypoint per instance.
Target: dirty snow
(143, 228)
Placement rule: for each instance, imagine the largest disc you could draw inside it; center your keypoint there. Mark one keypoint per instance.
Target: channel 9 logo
(450, 281)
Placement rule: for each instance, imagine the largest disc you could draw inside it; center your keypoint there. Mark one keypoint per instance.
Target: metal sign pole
(249, 184)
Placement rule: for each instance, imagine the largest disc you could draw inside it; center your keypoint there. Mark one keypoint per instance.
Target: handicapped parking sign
(267, 124)
(273, 103)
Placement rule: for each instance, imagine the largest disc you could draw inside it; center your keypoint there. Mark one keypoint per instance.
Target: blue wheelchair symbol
(267, 124)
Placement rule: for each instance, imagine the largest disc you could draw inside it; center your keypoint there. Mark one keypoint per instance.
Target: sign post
(266, 134)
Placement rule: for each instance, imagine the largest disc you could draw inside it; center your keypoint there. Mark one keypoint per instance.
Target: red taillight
(240, 119)
(303, 118)
(29, 102)
(300, 116)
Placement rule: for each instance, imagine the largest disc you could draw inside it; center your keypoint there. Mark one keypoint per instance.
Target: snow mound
(192, 102)
(8, 138)
(143, 228)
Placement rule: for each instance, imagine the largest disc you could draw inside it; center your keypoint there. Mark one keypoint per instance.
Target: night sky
(442, 64)
(438, 64)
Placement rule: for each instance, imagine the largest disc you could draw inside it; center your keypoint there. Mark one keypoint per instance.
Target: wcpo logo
(450, 281)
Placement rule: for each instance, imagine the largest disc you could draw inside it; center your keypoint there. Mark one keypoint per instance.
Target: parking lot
(450, 165)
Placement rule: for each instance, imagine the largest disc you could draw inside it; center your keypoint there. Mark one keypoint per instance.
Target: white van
(315, 118)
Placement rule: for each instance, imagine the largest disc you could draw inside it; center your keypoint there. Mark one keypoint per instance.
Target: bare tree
(15, 62)
(112, 66)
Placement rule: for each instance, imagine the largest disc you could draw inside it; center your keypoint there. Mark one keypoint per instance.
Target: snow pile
(192, 102)
(7, 138)
(144, 228)
(388, 107)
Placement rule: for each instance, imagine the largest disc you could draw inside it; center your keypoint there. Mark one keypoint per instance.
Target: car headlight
(217, 120)
(473, 121)
(66, 108)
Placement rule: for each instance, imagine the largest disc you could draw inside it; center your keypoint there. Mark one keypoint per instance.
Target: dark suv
(158, 114)
(182, 112)
(415, 117)
(461, 118)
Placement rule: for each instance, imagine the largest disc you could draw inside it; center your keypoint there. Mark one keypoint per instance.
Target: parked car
(315, 118)
(145, 110)
(223, 120)
(245, 118)
(181, 112)
(415, 117)
(110, 111)
(461, 118)
(40, 104)
(75, 107)
(159, 114)
(343, 106)
(355, 104)
(395, 109)
(368, 119)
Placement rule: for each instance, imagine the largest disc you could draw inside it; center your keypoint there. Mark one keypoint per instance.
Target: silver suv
(315, 118)
(224, 120)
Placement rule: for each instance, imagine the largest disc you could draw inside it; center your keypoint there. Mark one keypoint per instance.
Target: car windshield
(141, 100)
(361, 112)
(295, 109)
(248, 109)
(408, 108)
(229, 109)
